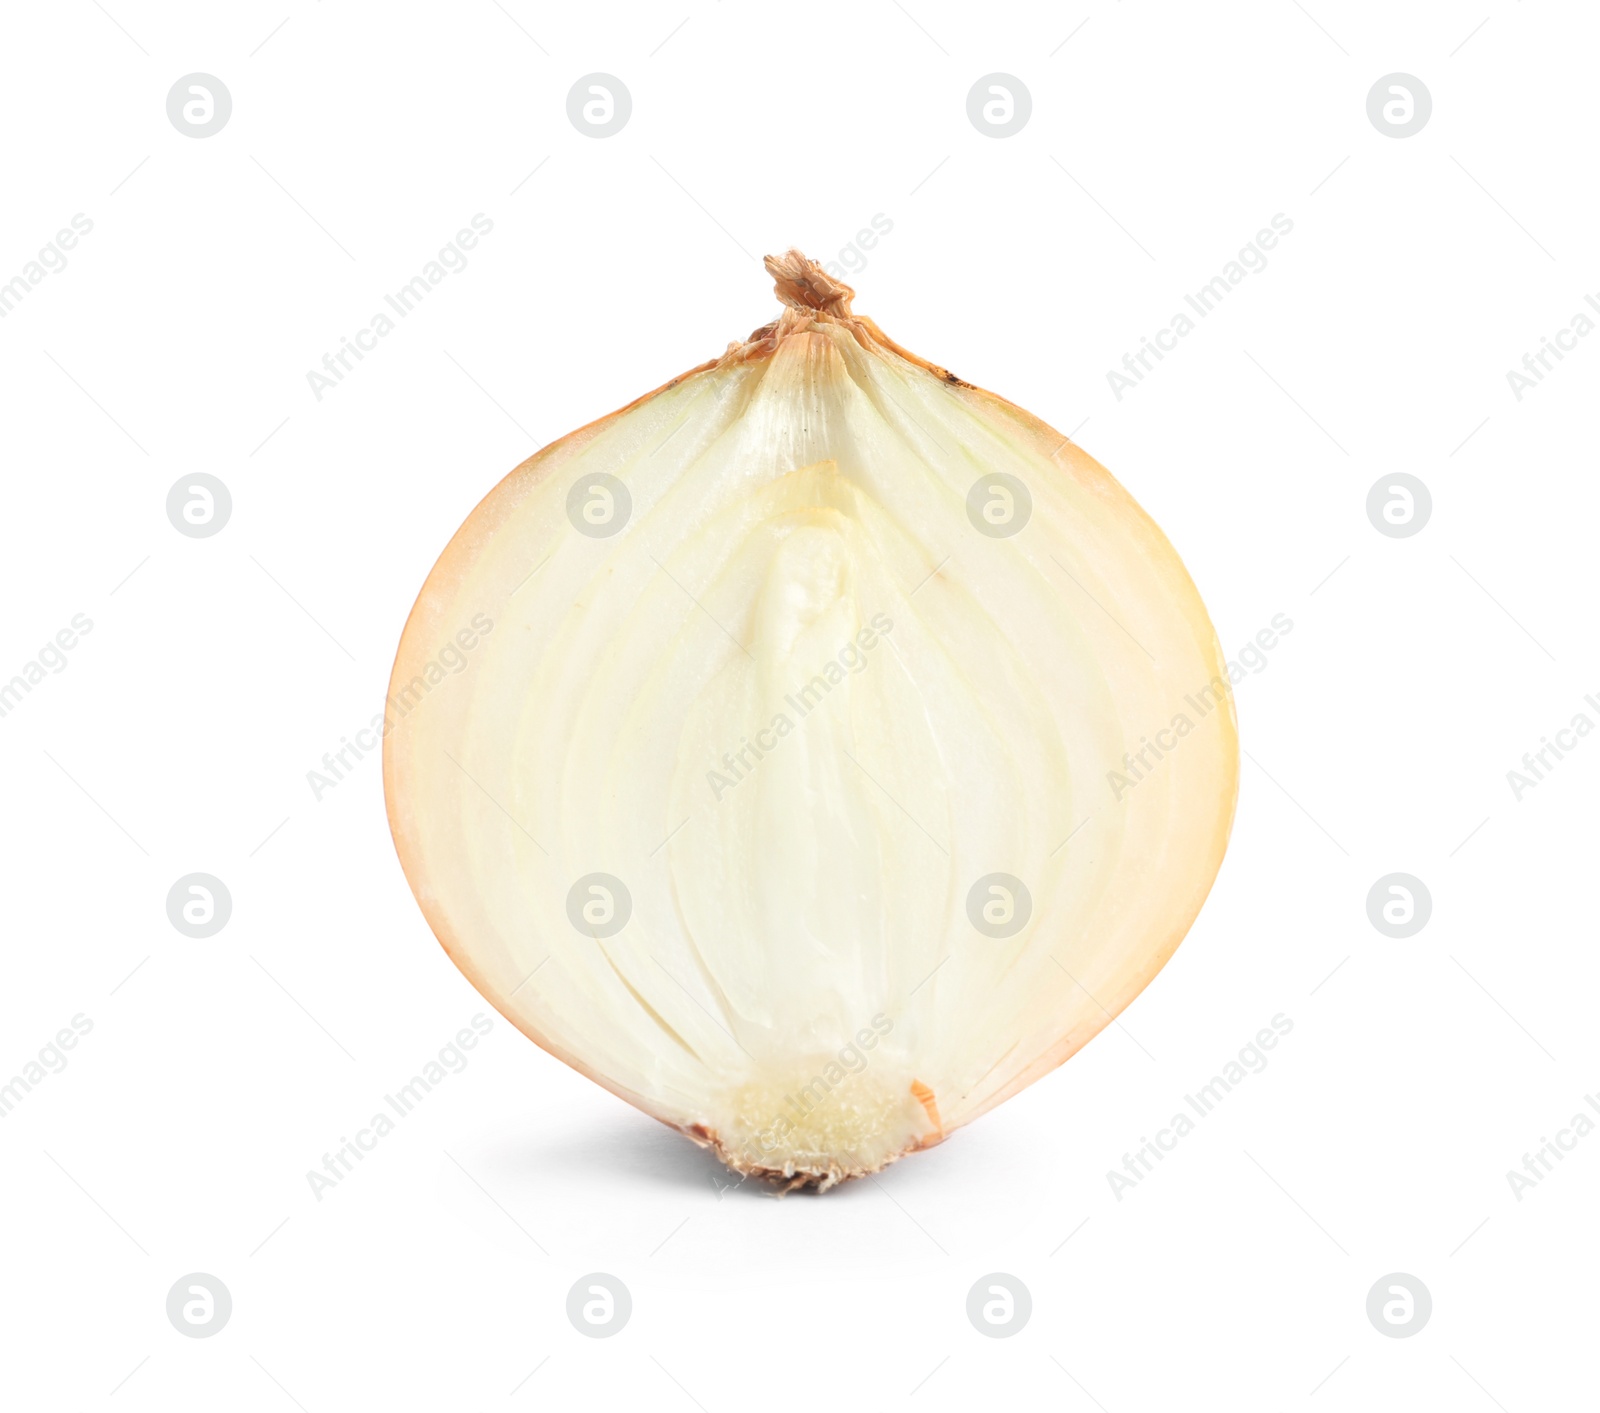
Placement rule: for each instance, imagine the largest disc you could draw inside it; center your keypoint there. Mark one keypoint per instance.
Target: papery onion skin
(787, 909)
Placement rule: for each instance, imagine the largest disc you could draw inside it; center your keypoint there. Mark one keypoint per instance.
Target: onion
(815, 752)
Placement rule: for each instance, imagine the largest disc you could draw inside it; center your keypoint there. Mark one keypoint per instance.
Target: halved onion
(815, 752)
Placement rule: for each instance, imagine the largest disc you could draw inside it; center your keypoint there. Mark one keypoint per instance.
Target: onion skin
(413, 797)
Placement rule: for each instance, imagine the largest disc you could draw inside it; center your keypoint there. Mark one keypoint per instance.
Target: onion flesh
(801, 715)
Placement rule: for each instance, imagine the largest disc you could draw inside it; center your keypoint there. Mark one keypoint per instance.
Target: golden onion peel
(815, 752)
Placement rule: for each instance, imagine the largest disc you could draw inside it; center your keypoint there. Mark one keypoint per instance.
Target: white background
(177, 739)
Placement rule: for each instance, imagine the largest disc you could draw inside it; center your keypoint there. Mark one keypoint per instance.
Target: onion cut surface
(838, 748)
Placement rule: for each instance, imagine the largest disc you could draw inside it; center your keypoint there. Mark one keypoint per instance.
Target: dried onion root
(821, 779)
